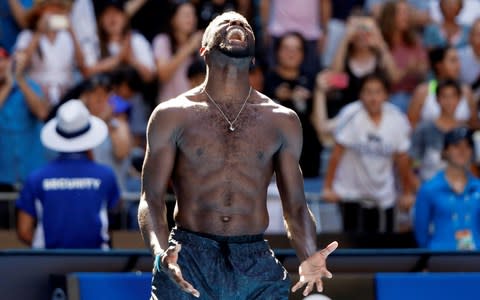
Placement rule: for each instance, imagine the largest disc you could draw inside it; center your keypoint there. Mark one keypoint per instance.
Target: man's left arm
(298, 218)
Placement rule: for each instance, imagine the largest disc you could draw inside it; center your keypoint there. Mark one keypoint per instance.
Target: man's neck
(227, 82)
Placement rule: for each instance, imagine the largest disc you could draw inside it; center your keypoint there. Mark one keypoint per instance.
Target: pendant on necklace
(231, 128)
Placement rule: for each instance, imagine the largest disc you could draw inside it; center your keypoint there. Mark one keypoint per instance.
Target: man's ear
(203, 51)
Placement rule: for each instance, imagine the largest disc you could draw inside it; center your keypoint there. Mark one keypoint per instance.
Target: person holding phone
(53, 52)
(361, 52)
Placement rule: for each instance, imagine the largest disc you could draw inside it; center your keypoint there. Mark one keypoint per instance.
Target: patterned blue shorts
(219, 267)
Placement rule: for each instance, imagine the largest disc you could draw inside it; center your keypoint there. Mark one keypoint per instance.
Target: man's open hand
(169, 261)
(313, 269)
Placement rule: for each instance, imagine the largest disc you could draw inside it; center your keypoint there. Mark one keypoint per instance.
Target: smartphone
(57, 22)
(338, 80)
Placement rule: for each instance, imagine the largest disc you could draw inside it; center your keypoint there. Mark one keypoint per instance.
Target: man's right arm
(157, 169)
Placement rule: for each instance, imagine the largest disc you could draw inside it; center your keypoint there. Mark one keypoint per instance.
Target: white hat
(73, 129)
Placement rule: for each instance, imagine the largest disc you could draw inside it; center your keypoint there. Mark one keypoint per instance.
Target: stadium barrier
(358, 274)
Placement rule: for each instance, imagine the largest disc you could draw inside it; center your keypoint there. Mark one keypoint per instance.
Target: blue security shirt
(69, 198)
(440, 213)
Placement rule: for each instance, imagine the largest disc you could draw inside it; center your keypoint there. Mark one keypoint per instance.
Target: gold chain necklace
(231, 127)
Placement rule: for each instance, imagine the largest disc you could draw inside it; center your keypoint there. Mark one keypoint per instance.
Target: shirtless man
(220, 143)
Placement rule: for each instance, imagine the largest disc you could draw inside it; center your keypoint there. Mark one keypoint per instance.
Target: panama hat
(73, 129)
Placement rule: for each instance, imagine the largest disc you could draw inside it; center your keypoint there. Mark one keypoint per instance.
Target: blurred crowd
(377, 85)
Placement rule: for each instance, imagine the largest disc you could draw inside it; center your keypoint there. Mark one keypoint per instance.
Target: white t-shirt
(366, 169)
(140, 46)
(53, 66)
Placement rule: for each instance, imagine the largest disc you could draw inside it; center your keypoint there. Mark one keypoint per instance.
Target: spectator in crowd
(361, 52)
(418, 10)
(447, 209)
(125, 51)
(175, 50)
(115, 150)
(51, 47)
(127, 101)
(118, 44)
(65, 203)
(469, 13)
(98, 94)
(290, 86)
(98, 85)
(12, 21)
(449, 32)
(308, 17)
(428, 136)
(470, 59)
(22, 109)
(424, 105)
(371, 140)
(341, 11)
(406, 47)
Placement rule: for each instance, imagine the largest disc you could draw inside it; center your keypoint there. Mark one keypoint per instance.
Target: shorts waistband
(236, 239)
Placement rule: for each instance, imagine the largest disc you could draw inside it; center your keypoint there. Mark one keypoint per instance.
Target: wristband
(158, 262)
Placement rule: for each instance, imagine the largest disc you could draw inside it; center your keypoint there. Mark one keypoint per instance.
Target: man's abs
(241, 217)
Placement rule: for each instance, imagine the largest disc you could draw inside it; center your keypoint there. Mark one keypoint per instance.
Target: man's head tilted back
(230, 34)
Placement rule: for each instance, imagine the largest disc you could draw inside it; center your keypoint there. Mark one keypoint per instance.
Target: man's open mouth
(236, 35)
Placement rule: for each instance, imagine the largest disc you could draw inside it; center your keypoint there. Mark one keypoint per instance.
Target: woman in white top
(175, 50)
(424, 105)
(118, 45)
(51, 47)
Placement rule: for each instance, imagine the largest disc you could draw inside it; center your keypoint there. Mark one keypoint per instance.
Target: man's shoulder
(175, 107)
(273, 108)
(181, 102)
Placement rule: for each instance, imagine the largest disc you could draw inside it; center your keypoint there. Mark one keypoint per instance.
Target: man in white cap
(65, 203)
